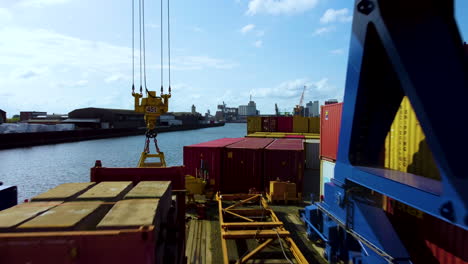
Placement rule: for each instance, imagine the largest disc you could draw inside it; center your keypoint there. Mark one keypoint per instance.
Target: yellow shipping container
(300, 124)
(254, 124)
(314, 125)
(406, 148)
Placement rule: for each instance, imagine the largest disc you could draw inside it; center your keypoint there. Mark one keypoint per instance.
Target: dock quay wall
(17, 140)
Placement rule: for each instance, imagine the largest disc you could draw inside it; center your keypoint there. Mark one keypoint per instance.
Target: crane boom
(302, 96)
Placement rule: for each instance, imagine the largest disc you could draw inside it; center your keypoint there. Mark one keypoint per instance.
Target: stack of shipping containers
(236, 165)
(204, 160)
(330, 131)
(279, 126)
(243, 166)
(428, 239)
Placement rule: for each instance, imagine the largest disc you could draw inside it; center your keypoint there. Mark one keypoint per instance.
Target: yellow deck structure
(66, 215)
(149, 189)
(106, 191)
(63, 192)
(18, 214)
(131, 213)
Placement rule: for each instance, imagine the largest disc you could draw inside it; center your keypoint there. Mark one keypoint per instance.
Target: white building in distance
(313, 108)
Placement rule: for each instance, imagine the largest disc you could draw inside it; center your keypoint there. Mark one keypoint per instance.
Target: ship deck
(204, 238)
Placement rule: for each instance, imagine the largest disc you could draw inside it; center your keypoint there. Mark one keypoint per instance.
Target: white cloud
(23, 73)
(152, 25)
(247, 28)
(337, 51)
(5, 15)
(323, 30)
(258, 43)
(116, 78)
(200, 62)
(293, 89)
(332, 15)
(41, 3)
(288, 93)
(56, 72)
(197, 29)
(276, 7)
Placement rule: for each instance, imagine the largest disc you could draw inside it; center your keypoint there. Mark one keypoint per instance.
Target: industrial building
(188, 118)
(28, 115)
(248, 110)
(91, 117)
(3, 118)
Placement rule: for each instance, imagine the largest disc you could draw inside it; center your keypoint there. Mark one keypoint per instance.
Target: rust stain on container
(406, 148)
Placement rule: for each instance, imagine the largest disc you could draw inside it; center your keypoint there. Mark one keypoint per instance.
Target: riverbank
(17, 140)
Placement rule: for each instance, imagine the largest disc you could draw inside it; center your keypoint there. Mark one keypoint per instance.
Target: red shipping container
(205, 159)
(269, 124)
(330, 122)
(285, 124)
(428, 239)
(284, 160)
(243, 166)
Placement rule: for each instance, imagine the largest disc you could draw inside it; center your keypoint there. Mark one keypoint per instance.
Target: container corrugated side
(330, 122)
(273, 124)
(314, 125)
(254, 124)
(269, 124)
(406, 148)
(205, 159)
(312, 153)
(300, 124)
(243, 166)
(327, 172)
(285, 124)
(284, 160)
(428, 239)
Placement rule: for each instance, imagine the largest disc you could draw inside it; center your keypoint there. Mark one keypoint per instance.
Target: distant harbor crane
(298, 110)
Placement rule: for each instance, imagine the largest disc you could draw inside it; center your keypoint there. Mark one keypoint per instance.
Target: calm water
(37, 169)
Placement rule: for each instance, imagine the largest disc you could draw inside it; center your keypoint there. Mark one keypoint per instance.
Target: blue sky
(59, 55)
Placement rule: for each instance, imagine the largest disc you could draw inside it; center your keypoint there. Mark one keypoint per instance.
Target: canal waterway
(37, 169)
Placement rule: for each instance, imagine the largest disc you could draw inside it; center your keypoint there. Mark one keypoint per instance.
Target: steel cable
(141, 74)
(162, 71)
(144, 46)
(169, 44)
(133, 46)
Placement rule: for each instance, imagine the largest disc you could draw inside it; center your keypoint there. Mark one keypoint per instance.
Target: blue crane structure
(398, 48)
